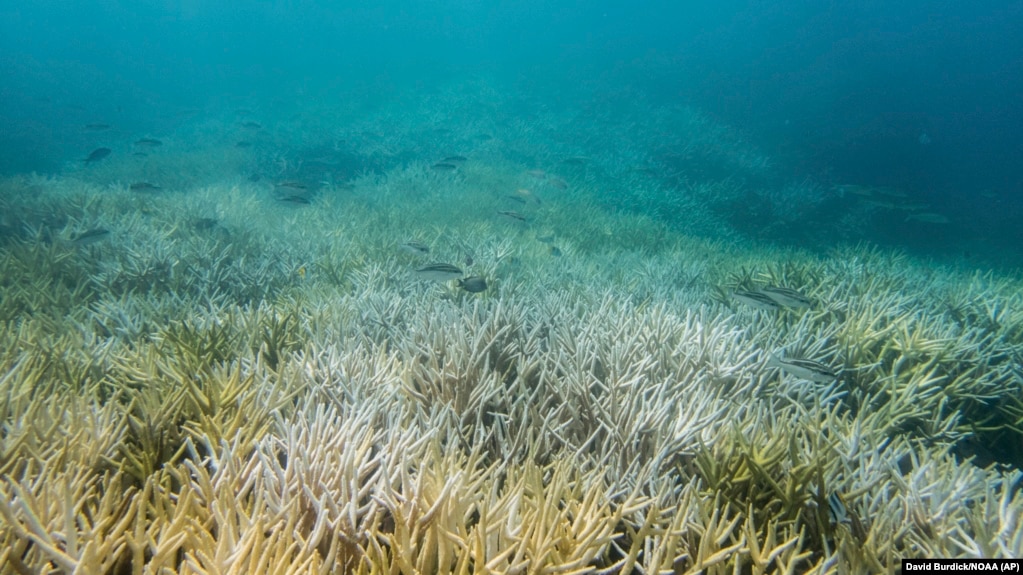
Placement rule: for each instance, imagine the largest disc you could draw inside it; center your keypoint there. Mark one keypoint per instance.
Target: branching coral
(275, 391)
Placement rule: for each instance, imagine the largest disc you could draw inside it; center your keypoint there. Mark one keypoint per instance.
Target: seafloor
(240, 371)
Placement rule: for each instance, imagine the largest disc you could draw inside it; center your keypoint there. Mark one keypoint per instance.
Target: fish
(927, 218)
(91, 236)
(804, 369)
(295, 200)
(538, 174)
(148, 143)
(512, 215)
(97, 127)
(786, 297)
(291, 185)
(243, 144)
(444, 167)
(854, 189)
(837, 511)
(205, 224)
(556, 251)
(415, 248)
(911, 207)
(454, 160)
(252, 125)
(756, 299)
(525, 196)
(439, 272)
(97, 155)
(516, 199)
(547, 238)
(557, 182)
(144, 187)
(473, 284)
(883, 204)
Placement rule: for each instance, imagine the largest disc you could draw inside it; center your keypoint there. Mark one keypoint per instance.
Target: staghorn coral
(184, 400)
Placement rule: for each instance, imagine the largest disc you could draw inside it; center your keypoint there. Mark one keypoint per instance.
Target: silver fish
(415, 248)
(786, 296)
(928, 218)
(756, 300)
(512, 215)
(90, 237)
(295, 200)
(97, 155)
(439, 272)
(144, 187)
(474, 284)
(804, 369)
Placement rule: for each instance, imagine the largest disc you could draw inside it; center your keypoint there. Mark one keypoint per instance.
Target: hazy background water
(923, 96)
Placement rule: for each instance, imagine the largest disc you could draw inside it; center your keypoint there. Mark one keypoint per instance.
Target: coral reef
(227, 384)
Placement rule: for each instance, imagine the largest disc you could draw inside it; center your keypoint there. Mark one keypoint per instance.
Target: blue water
(923, 97)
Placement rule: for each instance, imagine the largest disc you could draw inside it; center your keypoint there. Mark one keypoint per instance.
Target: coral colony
(440, 340)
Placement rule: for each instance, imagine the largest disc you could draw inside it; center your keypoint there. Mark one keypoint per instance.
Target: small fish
(97, 155)
(144, 187)
(927, 218)
(557, 182)
(415, 248)
(295, 200)
(205, 224)
(575, 161)
(854, 189)
(883, 204)
(538, 174)
(91, 236)
(756, 300)
(291, 186)
(98, 127)
(512, 215)
(786, 296)
(804, 369)
(837, 511)
(547, 239)
(439, 272)
(556, 251)
(149, 143)
(243, 144)
(301, 272)
(913, 207)
(252, 125)
(444, 167)
(473, 284)
(516, 199)
(254, 177)
(526, 196)
(140, 154)
(454, 160)
(468, 261)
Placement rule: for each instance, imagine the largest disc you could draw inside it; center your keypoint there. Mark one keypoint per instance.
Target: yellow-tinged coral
(179, 399)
